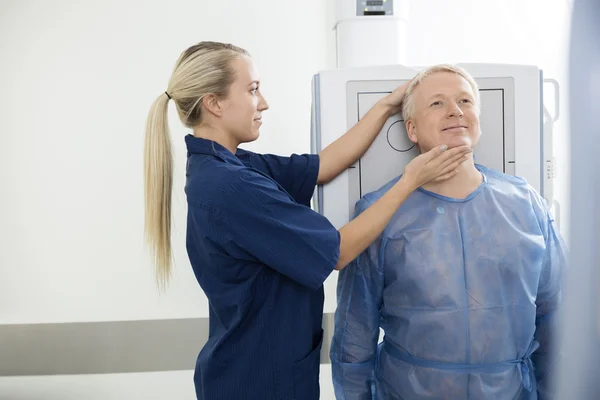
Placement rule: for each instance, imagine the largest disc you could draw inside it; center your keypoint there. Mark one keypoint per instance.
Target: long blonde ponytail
(200, 70)
(158, 179)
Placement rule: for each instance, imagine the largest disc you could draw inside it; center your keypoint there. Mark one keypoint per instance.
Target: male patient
(465, 280)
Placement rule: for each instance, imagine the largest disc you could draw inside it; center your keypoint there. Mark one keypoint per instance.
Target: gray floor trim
(110, 347)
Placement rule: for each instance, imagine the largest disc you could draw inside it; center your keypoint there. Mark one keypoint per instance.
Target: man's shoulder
(514, 187)
(495, 177)
(505, 183)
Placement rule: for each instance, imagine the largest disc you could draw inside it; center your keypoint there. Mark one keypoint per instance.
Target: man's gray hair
(408, 104)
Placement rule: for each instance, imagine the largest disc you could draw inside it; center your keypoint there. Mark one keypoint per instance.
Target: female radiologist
(258, 250)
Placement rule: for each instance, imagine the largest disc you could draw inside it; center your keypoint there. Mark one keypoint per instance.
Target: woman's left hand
(393, 101)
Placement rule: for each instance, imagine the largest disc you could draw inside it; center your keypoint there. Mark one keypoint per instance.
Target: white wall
(76, 81)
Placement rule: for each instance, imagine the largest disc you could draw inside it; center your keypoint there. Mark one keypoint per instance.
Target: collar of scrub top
(197, 145)
(470, 197)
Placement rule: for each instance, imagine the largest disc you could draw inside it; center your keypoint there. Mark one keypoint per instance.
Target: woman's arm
(346, 150)
(359, 233)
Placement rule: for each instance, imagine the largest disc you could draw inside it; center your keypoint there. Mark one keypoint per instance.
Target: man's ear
(211, 104)
(411, 131)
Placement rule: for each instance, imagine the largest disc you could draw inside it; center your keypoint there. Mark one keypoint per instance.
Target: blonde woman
(258, 251)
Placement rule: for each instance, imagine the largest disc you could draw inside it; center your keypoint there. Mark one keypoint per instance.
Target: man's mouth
(454, 127)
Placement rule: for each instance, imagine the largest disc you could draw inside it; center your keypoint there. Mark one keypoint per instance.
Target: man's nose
(454, 111)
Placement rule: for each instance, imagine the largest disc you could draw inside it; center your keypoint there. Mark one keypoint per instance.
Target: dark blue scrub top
(261, 256)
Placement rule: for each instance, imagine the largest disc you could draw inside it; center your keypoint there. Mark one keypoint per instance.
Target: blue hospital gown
(465, 291)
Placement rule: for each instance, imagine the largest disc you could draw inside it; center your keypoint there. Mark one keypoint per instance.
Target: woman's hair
(408, 106)
(205, 68)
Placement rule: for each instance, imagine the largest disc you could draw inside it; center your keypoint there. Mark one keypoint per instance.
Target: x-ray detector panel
(392, 149)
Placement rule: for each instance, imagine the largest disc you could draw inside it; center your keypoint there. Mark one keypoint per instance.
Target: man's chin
(452, 142)
(458, 141)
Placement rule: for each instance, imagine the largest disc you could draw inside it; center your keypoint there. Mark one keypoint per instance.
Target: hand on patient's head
(394, 100)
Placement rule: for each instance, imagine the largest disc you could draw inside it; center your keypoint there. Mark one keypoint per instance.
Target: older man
(465, 280)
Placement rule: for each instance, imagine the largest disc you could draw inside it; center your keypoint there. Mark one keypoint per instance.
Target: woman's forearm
(347, 149)
(359, 233)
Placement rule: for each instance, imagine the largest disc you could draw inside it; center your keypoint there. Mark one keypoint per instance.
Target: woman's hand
(437, 164)
(393, 101)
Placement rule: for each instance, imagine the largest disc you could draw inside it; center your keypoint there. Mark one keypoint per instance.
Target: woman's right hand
(437, 164)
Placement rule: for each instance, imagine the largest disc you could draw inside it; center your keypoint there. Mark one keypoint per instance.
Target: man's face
(444, 113)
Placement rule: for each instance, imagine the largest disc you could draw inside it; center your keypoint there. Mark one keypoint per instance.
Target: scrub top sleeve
(354, 343)
(548, 301)
(286, 236)
(297, 174)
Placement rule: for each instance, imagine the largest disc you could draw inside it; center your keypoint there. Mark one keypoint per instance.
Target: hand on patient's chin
(442, 179)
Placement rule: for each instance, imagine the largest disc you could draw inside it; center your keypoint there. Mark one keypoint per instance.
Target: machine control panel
(374, 7)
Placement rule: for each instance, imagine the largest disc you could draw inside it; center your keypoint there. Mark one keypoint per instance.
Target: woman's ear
(211, 103)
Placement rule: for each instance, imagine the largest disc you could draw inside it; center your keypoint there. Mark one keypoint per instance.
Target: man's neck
(461, 185)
